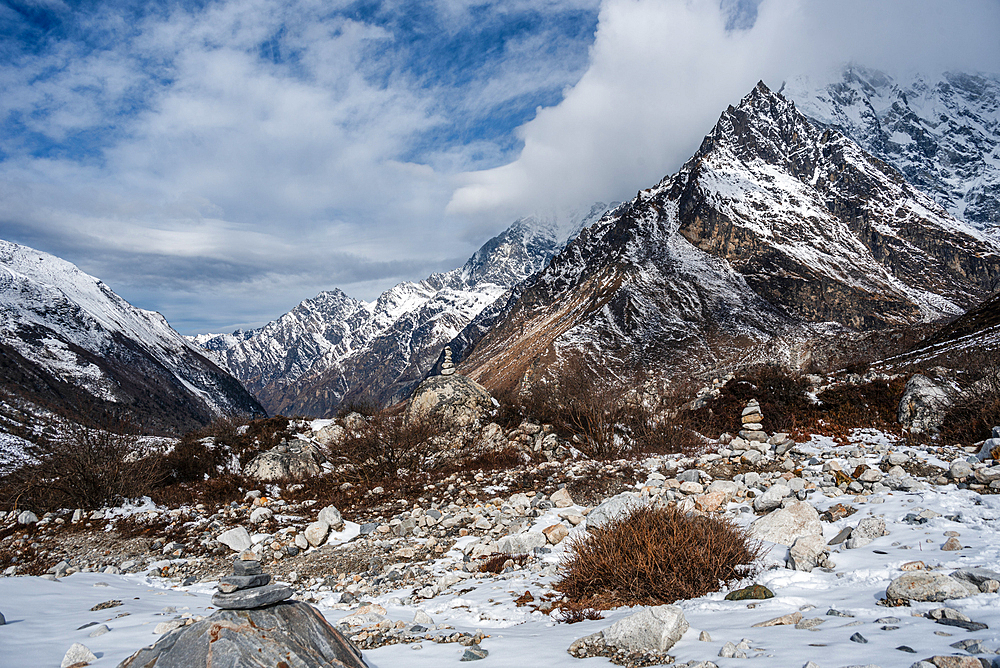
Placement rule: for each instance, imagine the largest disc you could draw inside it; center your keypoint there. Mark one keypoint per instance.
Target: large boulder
(923, 405)
(922, 586)
(614, 508)
(296, 460)
(290, 633)
(655, 629)
(455, 400)
(786, 525)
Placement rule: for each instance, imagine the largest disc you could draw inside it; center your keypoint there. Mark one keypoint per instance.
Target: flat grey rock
(257, 597)
(232, 583)
(291, 633)
(247, 567)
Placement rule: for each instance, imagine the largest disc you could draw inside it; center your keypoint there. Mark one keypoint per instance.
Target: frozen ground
(44, 617)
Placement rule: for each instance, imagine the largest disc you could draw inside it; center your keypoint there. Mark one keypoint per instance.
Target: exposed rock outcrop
(289, 633)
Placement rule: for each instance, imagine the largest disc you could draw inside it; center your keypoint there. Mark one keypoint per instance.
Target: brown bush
(89, 468)
(384, 446)
(977, 409)
(495, 563)
(571, 614)
(655, 556)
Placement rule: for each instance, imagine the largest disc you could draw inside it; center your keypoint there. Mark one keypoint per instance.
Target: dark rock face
(291, 634)
(938, 131)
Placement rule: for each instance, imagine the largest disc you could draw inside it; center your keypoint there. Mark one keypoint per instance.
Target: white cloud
(661, 72)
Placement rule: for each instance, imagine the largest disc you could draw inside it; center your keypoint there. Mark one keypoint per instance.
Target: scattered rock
(332, 517)
(868, 529)
(787, 524)
(807, 552)
(654, 629)
(237, 539)
(784, 620)
(561, 498)
(611, 509)
(752, 592)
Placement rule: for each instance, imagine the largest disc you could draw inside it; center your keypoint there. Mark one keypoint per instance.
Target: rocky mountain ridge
(70, 346)
(333, 349)
(775, 230)
(941, 132)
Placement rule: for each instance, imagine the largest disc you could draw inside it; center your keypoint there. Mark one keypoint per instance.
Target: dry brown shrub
(655, 556)
(570, 613)
(384, 446)
(91, 467)
(977, 409)
(495, 563)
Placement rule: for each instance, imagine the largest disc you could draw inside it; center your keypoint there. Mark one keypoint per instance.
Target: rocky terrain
(872, 538)
(941, 132)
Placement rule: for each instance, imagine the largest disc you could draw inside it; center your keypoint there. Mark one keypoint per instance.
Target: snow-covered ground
(45, 617)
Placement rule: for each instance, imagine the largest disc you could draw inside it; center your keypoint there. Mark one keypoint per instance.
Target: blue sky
(221, 160)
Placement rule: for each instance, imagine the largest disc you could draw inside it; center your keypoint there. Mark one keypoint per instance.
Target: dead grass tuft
(656, 556)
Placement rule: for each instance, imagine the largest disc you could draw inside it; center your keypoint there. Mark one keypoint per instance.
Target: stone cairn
(751, 428)
(249, 587)
(447, 368)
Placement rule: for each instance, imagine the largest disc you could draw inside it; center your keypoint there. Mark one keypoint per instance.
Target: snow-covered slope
(65, 330)
(333, 348)
(774, 223)
(942, 132)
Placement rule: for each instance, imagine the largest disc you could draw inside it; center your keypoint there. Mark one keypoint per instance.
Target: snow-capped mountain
(333, 348)
(71, 346)
(942, 132)
(774, 227)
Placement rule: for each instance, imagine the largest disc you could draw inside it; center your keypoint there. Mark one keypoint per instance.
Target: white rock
(301, 541)
(27, 517)
(522, 543)
(421, 617)
(316, 533)
(332, 517)
(868, 529)
(237, 539)
(807, 552)
(654, 629)
(787, 524)
(261, 515)
(77, 653)
(613, 508)
(771, 498)
(561, 498)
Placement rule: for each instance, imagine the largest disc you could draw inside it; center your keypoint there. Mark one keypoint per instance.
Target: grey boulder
(616, 507)
(295, 461)
(868, 529)
(786, 525)
(923, 405)
(921, 586)
(291, 634)
(654, 629)
(455, 400)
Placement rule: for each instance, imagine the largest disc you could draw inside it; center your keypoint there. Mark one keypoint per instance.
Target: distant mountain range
(333, 350)
(864, 204)
(72, 348)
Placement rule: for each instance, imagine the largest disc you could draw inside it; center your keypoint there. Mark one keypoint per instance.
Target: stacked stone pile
(447, 366)
(248, 588)
(752, 428)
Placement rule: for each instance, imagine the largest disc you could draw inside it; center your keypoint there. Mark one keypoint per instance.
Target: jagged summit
(941, 132)
(773, 223)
